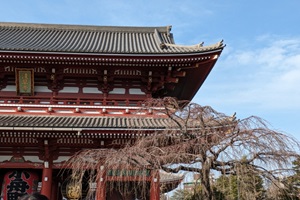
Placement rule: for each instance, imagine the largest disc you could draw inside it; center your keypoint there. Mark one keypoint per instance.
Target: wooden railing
(74, 106)
(69, 101)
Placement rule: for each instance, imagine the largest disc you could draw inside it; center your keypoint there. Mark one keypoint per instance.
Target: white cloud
(266, 77)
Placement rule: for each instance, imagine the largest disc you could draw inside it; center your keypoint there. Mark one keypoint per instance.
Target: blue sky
(258, 72)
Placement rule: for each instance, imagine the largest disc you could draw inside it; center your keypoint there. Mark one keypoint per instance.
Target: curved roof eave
(115, 54)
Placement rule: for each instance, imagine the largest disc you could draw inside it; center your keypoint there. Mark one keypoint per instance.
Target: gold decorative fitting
(73, 190)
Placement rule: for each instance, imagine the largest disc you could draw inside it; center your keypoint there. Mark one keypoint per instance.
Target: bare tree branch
(211, 141)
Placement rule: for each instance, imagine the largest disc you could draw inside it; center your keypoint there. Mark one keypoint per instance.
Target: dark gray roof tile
(101, 122)
(92, 39)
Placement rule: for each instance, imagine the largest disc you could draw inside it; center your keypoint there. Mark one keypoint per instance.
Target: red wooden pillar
(47, 180)
(154, 185)
(54, 192)
(101, 185)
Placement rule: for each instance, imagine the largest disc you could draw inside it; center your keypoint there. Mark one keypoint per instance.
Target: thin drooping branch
(199, 139)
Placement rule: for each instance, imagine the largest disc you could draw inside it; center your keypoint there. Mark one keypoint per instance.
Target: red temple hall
(64, 88)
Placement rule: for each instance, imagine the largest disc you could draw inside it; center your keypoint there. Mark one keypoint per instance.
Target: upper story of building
(65, 69)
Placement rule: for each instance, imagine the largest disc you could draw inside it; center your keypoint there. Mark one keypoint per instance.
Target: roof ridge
(86, 27)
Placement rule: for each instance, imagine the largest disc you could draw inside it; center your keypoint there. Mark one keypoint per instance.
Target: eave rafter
(156, 60)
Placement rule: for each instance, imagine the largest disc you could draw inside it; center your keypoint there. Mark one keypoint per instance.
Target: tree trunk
(205, 181)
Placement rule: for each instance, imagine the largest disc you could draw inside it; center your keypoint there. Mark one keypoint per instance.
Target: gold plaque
(25, 81)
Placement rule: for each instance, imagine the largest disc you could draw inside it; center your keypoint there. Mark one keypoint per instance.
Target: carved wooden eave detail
(104, 60)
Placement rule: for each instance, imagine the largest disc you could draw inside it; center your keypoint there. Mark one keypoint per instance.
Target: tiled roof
(170, 177)
(104, 122)
(84, 122)
(93, 39)
(169, 181)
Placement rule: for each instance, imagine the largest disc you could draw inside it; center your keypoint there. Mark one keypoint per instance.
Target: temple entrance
(55, 102)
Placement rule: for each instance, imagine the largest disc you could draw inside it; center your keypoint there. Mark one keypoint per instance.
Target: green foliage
(291, 190)
(227, 185)
(292, 184)
(240, 187)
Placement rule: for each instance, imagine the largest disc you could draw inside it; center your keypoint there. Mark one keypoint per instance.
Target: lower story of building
(56, 185)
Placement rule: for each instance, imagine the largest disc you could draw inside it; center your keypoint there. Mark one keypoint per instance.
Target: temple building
(64, 88)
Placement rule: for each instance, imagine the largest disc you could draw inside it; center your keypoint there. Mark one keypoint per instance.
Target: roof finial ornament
(221, 43)
(200, 45)
(169, 28)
